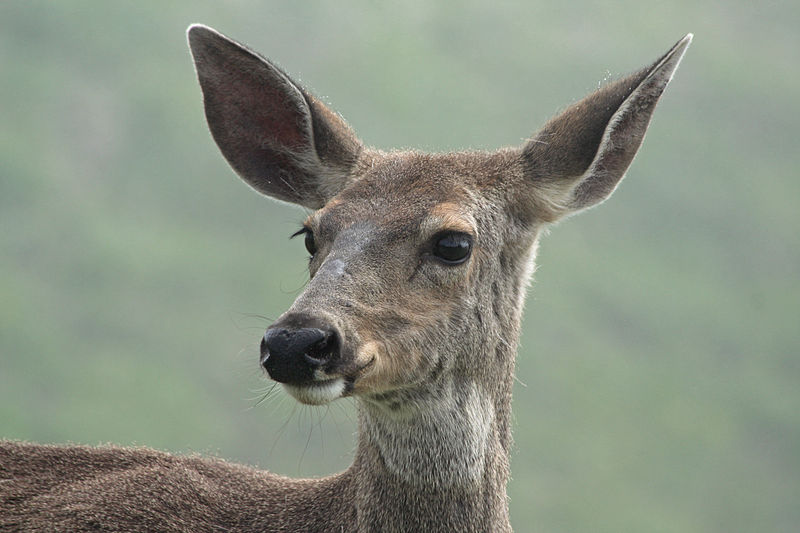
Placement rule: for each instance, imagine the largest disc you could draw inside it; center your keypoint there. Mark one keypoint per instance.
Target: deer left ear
(580, 156)
(280, 139)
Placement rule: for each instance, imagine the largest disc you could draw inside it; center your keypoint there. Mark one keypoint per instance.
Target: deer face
(418, 262)
(398, 266)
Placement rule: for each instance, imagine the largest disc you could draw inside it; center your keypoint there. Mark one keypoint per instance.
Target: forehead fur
(401, 189)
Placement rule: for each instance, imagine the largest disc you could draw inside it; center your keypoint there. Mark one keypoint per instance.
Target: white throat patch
(442, 444)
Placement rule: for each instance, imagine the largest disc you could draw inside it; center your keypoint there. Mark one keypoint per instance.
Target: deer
(419, 265)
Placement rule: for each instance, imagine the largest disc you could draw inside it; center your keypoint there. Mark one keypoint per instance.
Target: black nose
(292, 355)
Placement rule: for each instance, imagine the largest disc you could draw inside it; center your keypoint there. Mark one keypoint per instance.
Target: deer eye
(311, 246)
(452, 248)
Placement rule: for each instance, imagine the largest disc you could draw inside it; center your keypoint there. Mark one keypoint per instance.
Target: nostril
(264, 349)
(322, 350)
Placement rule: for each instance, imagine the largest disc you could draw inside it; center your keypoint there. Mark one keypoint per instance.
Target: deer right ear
(281, 140)
(580, 156)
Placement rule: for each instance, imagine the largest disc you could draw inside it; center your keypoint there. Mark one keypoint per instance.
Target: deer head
(418, 262)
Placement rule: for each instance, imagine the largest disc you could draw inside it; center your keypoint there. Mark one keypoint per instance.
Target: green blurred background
(660, 348)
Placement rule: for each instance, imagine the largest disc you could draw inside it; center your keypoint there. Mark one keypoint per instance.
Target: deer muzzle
(299, 353)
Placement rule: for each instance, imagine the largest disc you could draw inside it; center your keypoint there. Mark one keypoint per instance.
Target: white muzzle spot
(317, 393)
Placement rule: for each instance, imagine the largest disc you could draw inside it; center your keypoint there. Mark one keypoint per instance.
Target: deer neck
(440, 464)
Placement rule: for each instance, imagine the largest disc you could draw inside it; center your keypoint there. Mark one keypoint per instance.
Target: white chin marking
(317, 393)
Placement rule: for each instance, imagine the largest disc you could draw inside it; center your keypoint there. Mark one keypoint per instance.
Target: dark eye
(452, 248)
(311, 246)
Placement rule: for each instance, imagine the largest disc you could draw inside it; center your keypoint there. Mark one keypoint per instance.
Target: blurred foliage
(660, 347)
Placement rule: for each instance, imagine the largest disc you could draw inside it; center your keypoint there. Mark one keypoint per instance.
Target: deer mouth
(317, 392)
(325, 389)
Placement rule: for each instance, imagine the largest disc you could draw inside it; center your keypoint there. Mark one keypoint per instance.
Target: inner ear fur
(280, 139)
(579, 157)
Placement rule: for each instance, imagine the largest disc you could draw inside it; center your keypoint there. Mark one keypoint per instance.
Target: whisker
(321, 430)
(270, 392)
(237, 317)
(294, 291)
(282, 429)
(308, 441)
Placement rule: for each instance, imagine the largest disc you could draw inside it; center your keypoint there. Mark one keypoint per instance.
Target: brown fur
(427, 348)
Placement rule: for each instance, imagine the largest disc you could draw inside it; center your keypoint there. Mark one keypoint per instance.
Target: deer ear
(580, 156)
(281, 140)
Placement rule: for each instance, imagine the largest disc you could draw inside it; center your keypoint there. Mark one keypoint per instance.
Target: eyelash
(299, 232)
(311, 246)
